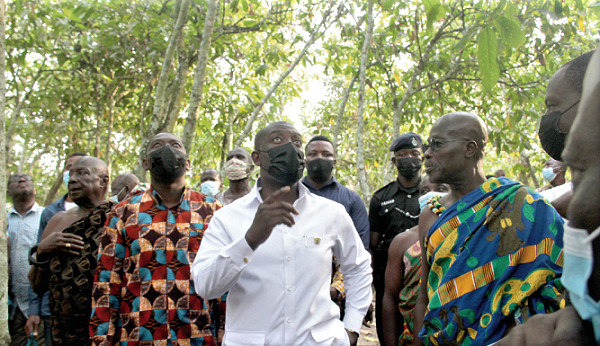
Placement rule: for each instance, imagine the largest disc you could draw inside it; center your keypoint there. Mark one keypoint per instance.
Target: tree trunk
(313, 37)
(4, 335)
(340, 115)
(196, 96)
(56, 186)
(360, 149)
(161, 86)
(109, 130)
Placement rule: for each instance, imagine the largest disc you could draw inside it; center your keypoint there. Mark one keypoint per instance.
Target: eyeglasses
(434, 143)
(18, 177)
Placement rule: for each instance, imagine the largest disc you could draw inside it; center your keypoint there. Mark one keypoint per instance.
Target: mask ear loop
(592, 236)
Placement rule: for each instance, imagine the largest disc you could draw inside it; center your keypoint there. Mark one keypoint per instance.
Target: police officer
(394, 208)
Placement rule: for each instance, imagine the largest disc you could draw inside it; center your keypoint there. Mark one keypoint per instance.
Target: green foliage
(75, 65)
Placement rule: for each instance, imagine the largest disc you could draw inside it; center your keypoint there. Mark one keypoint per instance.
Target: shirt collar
(33, 209)
(333, 181)
(156, 196)
(255, 193)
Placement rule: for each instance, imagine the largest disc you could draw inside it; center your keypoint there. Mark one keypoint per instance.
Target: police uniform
(393, 209)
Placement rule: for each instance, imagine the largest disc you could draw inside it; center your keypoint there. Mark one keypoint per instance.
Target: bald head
(123, 184)
(463, 125)
(88, 182)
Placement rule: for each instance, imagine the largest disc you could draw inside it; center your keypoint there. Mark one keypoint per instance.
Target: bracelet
(33, 258)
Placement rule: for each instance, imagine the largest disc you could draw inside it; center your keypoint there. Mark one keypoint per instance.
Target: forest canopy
(102, 77)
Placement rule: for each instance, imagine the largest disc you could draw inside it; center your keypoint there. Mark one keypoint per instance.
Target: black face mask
(552, 139)
(286, 163)
(409, 166)
(319, 170)
(167, 163)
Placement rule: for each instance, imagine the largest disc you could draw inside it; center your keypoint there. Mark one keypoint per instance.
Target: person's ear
(394, 160)
(188, 165)
(256, 157)
(104, 181)
(471, 149)
(145, 164)
(334, 162)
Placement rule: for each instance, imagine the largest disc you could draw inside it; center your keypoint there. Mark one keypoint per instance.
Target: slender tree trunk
(56, 185)
(360, 150)
(163, 80)
(158, 113)
(109, 130)
(177, 91)
(340, 115)
(196, 97)
(313, 37)
(4, 335)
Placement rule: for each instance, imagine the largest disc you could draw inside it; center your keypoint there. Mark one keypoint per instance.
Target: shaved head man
(484, 225)
(122, 185)
(65, 259)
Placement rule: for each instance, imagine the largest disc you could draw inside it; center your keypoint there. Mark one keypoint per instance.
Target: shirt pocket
(240, 338)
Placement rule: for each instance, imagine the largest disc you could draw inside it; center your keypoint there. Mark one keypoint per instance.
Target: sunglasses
(434, 143)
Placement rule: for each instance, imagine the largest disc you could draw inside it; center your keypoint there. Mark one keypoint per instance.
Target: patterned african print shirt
(143, 293)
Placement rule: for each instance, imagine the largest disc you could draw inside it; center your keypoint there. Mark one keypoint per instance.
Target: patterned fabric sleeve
(108, 281)
(338, 283)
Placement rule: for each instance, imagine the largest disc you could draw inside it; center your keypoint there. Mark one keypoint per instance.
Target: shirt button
(386, 210)
(289, 288)
(289, 320)
(245, 260)
(409, 196)
(286, 231)
(289, 258)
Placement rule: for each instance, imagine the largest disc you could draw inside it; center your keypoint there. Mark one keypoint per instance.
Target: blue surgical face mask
(423, 199)
(548, 174)
(577, 269)
(66, 177)
(210, 188)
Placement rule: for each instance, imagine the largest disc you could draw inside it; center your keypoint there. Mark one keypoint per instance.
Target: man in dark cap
(394, 208)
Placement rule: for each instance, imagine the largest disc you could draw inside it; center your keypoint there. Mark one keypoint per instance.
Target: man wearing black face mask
(562, 100)
(320, 161)
(394, 209)
(143, 289)
(272, 250)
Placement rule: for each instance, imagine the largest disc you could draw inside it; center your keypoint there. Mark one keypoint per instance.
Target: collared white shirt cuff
(353, 320)
(239, 252)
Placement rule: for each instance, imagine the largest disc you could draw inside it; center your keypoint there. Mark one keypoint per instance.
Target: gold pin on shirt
(317, 241)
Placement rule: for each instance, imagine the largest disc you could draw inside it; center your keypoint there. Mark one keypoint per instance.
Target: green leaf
(558, 8)
(487, 53)
(244, 5)
(510, 32)
(262, 69)
(498, 9)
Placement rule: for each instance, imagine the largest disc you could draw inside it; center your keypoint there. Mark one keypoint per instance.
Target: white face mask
(114, 198)
(549, 174)
(210, 188)
(578, 264)
(66, 177)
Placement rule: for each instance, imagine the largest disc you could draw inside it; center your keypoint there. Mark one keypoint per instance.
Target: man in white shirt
(274, 257)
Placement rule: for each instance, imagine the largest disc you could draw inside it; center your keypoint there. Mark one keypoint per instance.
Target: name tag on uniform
(387, 202)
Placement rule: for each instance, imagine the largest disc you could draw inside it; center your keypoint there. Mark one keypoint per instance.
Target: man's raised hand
(272, 212)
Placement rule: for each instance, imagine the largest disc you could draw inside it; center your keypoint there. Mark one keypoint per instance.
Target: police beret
(409, 140)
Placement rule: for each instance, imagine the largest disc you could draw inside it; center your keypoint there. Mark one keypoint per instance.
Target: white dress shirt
(23, 234)
(279, 293)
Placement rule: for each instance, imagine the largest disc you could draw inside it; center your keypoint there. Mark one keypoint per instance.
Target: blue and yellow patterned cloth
(495, 258)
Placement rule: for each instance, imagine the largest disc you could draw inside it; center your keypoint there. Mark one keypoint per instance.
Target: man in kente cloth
(494, 257)
(65, 260)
